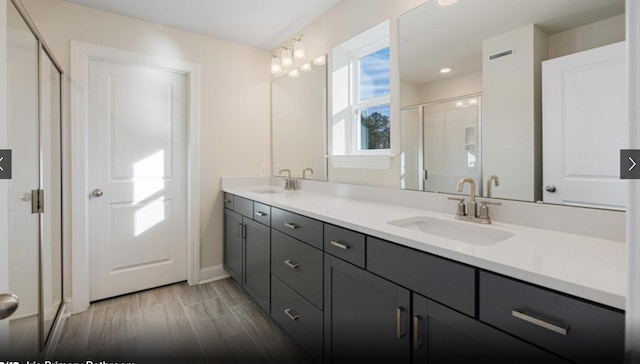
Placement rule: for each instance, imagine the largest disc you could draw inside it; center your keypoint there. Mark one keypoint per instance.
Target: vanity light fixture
(294, 73)
(446, 2)
(290, 51)
(445, 70)
(319, 61)
(305, 67)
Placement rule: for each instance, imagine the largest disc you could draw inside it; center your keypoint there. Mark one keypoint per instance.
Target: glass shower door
(24, 226)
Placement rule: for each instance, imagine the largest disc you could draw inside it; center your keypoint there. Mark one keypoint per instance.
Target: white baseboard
(214, 273)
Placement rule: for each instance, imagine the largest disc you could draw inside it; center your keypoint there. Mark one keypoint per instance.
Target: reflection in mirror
(298, 119)
(496, 49)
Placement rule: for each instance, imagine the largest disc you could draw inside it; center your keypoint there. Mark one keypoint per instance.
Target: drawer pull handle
(291, 264)
(417, 344)
(261, 214)
(340, 245)
(399, 332)
(291, 225)
(227, 201)
(560, 329)
(292, 315)
(240, 230)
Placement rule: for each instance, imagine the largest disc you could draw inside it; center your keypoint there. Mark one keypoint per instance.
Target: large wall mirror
(481, 81)
(298, 119)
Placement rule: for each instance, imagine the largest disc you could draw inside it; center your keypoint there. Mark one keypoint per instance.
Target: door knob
(550, 188)
(97, 192)
(8, 305)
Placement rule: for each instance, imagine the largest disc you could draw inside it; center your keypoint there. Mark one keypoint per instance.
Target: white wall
(235, 101)
(589, 36)
(511, 112)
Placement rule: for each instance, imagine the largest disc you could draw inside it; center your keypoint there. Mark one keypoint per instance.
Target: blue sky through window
(374, 75)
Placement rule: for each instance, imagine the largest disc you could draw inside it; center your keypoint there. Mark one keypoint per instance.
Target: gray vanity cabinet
(233, 247)
(580, 331)
(247, 247)
(366, 317)
(256, 262)
(442, 335)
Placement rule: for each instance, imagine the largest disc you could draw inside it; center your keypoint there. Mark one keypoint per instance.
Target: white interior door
(137, 175)
(584, 127)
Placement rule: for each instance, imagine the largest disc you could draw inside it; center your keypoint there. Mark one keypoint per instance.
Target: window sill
(362, 161)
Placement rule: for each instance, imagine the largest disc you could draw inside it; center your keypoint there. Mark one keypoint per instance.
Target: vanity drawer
(568, 326)
(228, 201)
(345, 244)
(449, 283)
(300, 227)
(243, 206)
(262, 213)
(298, 265)
(301, 320)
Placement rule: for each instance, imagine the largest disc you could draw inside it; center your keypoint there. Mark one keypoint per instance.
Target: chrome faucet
(304, 172)
(470, 213)
(495, 179)
(289, 183)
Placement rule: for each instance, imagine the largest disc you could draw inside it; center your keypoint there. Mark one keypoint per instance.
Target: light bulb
(298, 50)
(319, 61)
(276, 68)
(294, 73)
(305, 67)
(445, 70)
(287, 59)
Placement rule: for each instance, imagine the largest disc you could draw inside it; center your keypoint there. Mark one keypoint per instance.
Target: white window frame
(344, 126)
(357, 105)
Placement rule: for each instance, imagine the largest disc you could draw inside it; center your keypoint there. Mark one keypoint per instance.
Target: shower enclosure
(32, 243)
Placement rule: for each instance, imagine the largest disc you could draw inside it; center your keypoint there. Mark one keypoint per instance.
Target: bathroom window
(371, 107)
(360, 134)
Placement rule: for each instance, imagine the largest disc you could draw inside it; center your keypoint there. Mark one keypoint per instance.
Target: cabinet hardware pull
(520, 314)
(340, 245)
(260, 213)
(227, 201)
(291, 264)
(240, 230)
(291, 225)
(399, 332)
(291, 315)
(417, 344)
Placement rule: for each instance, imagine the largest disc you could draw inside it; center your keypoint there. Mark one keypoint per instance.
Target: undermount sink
(455, 230)
(267, 190)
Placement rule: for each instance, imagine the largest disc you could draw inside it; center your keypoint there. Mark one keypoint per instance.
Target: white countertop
(586, 267)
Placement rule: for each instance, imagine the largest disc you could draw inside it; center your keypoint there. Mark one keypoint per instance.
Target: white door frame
(81, 54)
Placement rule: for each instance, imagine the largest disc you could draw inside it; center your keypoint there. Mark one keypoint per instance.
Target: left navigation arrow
(5, 163)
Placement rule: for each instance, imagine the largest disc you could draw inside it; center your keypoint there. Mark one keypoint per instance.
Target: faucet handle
(461, 206)
(484, 211)
(491, 203)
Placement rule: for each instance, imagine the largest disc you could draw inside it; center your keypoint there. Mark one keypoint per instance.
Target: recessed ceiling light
(445, 70)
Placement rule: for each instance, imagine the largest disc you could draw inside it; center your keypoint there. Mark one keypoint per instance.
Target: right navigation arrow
(633, 165)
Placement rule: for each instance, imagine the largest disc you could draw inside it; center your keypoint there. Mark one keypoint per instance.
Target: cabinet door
(366, 317)
(233, 244)
(256, 262)
(442, 335)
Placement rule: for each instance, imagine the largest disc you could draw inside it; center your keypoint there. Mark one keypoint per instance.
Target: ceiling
(262, 24)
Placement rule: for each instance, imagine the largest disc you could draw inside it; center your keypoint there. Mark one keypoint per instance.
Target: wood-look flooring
(210, 323)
